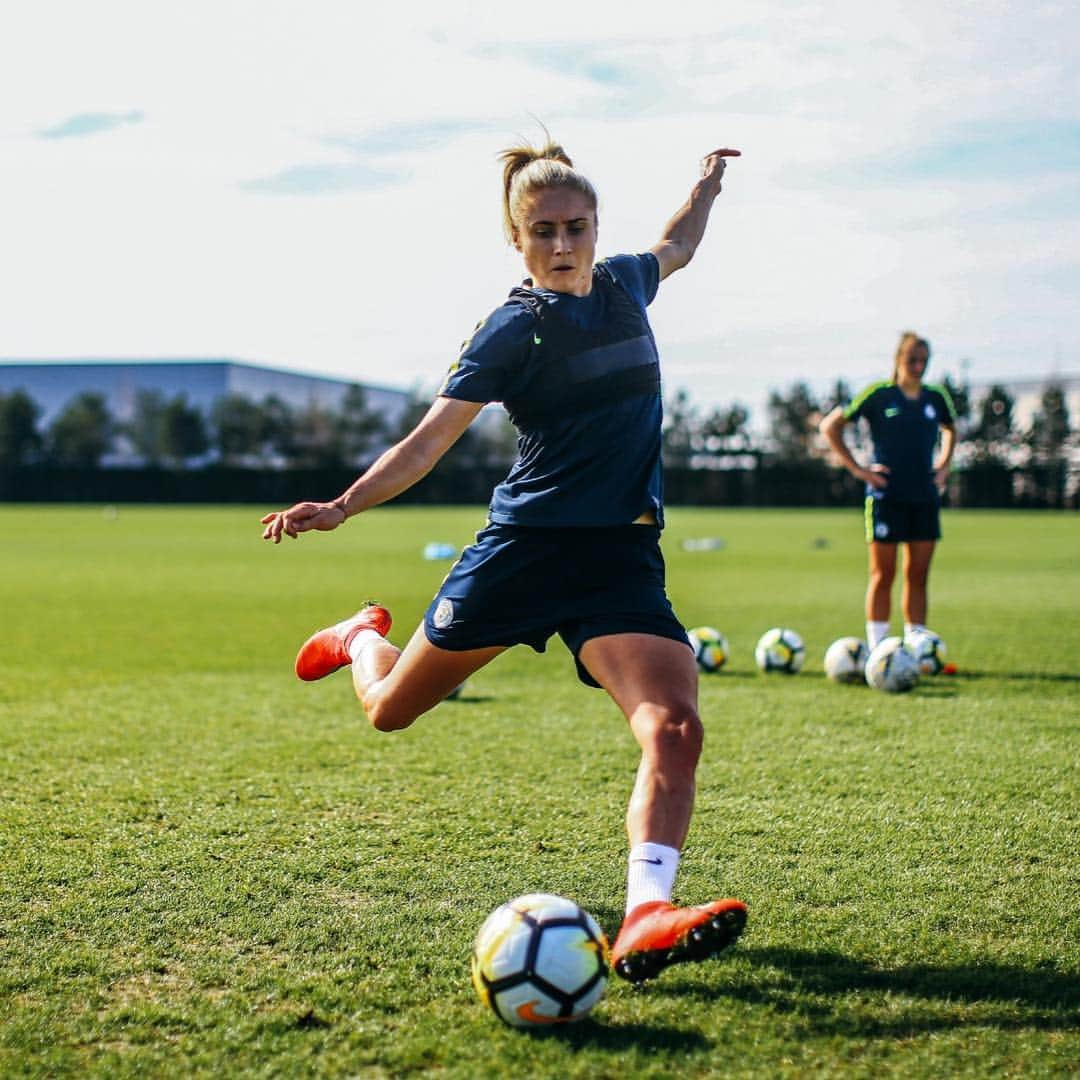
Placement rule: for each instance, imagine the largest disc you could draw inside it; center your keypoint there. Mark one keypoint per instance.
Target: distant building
(52, 383)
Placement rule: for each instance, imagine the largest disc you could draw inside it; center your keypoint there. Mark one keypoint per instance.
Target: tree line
(171, 431)
(238, 431)
(987, 428)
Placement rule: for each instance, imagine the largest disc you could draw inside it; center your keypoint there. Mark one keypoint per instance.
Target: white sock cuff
(876, 633)
(650, 852)
(651, 873)
(362, 640)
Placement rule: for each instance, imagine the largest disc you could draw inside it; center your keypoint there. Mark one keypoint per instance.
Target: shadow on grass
(753, 675)
(938, 682)
(1019, 676)
(802, 982)
(604, 1035)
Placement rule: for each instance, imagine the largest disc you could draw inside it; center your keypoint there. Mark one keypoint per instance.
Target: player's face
(556, 235)
(913, 361)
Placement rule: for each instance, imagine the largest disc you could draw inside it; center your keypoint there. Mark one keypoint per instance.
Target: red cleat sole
(664, 935)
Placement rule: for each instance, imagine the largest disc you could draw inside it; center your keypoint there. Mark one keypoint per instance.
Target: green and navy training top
(580, 379)
(904, 432)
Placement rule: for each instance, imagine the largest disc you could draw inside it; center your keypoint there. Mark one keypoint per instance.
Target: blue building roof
(52, 383)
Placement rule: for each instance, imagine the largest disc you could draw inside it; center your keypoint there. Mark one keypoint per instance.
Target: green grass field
(209, 868)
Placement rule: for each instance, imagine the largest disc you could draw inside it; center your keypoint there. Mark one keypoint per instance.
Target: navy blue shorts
(889, 522)
(518, 585)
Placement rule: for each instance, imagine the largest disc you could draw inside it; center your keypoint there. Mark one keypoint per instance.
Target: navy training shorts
(518, 585)
(889, 522)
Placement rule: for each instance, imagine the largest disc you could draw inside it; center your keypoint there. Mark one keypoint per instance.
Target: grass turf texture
(210, 868)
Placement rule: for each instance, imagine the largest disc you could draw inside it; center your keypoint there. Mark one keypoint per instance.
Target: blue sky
(313, 187)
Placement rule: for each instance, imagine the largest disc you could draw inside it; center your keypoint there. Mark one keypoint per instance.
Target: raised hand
(714, 164)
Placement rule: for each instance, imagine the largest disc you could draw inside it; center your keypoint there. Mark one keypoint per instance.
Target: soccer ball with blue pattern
(890, 667)
(540, 960)
(845, 660)
(780, 650)
(710, 648)
(928, 649)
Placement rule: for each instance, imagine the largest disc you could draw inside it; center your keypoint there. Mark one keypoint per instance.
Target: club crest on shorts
(881, 529)
(444, 614)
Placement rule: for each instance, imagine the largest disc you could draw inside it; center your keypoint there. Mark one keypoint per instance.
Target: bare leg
(396, 686)
(879, 586)
(917, 556)
(654, 681)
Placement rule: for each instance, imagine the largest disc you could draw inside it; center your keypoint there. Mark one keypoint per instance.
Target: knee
(671, 735)
(383, 716)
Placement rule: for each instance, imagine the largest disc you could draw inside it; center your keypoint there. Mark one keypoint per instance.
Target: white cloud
(314, 186)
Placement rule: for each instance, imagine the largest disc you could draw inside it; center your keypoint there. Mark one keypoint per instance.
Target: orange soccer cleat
(327, 650)
(656, 934)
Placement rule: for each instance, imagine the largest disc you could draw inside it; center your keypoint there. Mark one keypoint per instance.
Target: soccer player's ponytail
(527, 170)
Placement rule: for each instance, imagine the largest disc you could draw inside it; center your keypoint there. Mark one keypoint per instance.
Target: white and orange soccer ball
(540, 960)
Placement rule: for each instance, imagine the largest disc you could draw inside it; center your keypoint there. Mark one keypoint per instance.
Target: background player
(904, 483)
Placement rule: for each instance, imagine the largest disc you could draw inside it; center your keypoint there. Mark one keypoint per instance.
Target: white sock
(362, 640)
(651, 874)
(912, 627)
(876, 633)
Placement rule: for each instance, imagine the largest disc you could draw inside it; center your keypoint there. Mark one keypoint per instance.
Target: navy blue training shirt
(580, 379)
(905, 432)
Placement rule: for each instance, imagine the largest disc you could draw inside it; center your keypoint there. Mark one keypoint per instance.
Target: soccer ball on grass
(540, 960)
(890, 667)
(710, 648)
(780, 649)
(928, 649)
(845, 660)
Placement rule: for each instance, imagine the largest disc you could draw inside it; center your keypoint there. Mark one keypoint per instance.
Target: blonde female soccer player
(572, 542)
(904, 482)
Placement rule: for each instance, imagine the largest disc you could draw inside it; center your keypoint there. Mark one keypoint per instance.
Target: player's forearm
(948, 445)
(847, 458)
(412, 458)
(393, 472)
(833, 430)
(684, 232)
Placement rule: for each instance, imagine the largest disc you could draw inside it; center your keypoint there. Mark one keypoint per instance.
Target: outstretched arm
(394, 472)
(684, 231)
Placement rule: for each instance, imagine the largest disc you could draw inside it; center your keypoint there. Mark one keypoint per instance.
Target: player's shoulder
(637, 274)
(509, 325)
(625, 266)
(941, 393)
(627, 263)
(867, 396)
